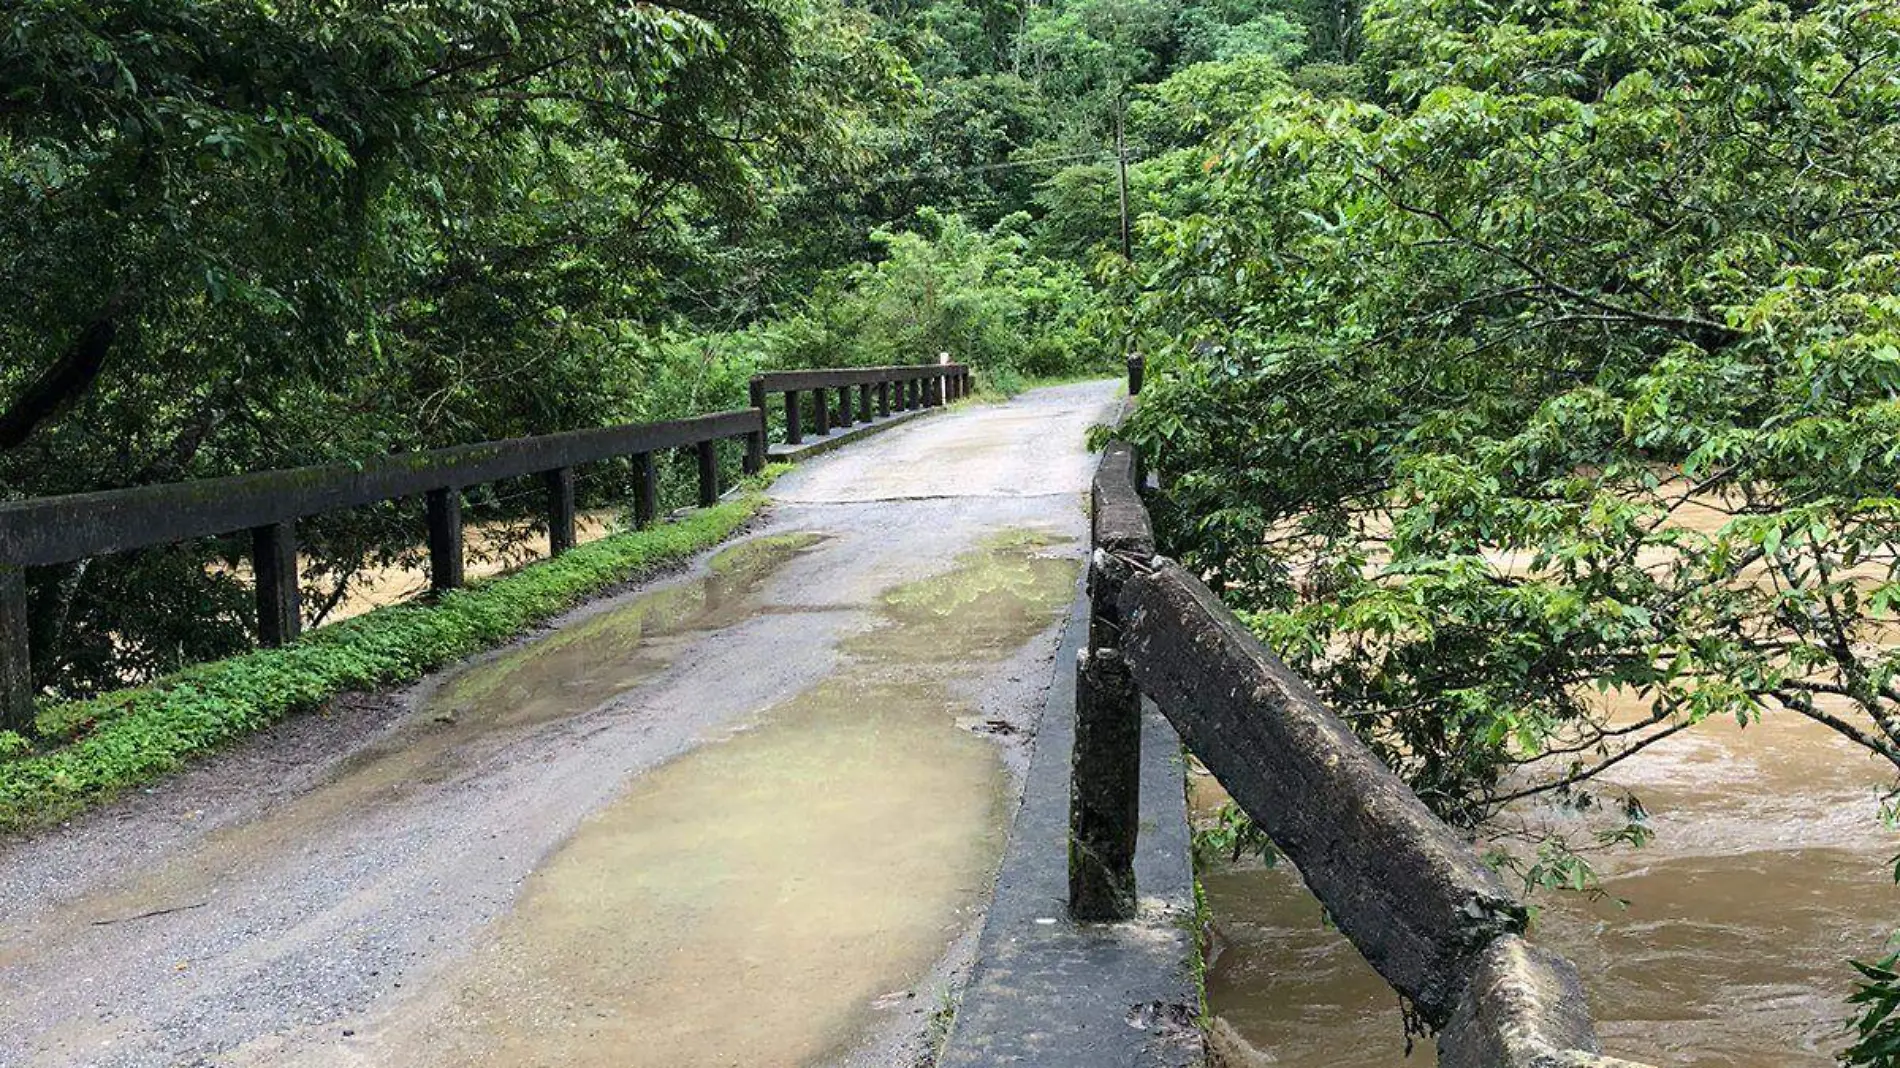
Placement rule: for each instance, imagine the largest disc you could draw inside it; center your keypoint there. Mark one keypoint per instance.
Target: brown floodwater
(1768, 871)
(750, 901)
(1770, 868)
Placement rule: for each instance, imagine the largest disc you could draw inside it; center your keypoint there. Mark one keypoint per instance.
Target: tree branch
(66, 381)
(1579, 776)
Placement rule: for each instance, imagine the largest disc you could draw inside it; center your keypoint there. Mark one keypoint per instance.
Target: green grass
(90, 750)
(992, 386)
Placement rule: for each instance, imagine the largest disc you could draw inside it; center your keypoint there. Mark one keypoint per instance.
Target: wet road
(746, 816)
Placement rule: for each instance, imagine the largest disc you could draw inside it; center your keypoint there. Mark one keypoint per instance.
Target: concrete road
(746, 816)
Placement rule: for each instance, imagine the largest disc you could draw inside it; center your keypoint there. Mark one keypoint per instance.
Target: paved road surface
(747, 816)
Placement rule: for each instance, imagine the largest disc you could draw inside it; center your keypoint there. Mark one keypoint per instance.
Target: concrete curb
(1048, 993)
(813, 446)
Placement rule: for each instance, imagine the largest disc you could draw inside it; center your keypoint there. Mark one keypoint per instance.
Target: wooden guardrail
(54, 530)
(878, 391)
(57, 530)
(1408, 891)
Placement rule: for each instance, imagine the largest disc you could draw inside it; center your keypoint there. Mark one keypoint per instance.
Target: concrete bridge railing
(1408, 891)
(57, 530)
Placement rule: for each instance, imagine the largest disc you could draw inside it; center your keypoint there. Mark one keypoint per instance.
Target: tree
(945, 287)
(249, 234)
(1568, 366)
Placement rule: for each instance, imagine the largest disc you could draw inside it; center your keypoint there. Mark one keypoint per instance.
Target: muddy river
(1769, 869)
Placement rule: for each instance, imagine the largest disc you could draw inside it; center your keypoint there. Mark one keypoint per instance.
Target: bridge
(894, 778)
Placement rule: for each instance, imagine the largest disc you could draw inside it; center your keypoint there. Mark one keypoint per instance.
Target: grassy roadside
(93, 749)
(990, 387)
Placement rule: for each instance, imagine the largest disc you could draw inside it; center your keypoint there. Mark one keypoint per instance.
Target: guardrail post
(755, 393)
(646, 491)
(445, 539)
(910, 394)
(864, 402)
(755, 448)
(844, 406)
(560, 485)
(820, 412)
(16, 663)
(755, 441)
(884, 399)
(1137, 370)
(708, 473)
(794, 424)
(274, 570)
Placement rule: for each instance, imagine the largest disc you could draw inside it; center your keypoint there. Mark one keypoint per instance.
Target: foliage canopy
(1565, 364)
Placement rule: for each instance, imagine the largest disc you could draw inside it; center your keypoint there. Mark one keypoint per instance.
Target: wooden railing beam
(54, 530)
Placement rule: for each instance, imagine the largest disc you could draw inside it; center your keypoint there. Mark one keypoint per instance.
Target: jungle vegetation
(1504, 354)
(239, 234)
(1552, 354)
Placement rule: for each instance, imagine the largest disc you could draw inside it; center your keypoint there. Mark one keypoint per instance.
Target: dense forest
(1454, 308)
(243, 235)
(1556, 358)
(1503, 353)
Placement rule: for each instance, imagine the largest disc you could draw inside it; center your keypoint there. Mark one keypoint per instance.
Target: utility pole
(1121, 167)
(1128, 247)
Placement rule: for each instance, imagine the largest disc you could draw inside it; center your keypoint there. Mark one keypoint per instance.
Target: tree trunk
(64, 382)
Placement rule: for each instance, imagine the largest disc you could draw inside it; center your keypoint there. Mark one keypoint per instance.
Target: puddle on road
(982, 609)
(748, 902)
(577, 668)
(478, 707)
